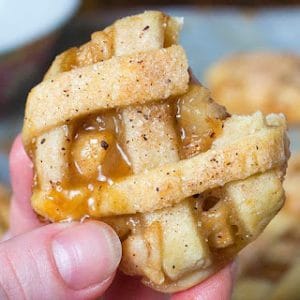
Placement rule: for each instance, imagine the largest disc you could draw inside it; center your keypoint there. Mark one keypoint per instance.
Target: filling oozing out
(96, 158)
(97, 155)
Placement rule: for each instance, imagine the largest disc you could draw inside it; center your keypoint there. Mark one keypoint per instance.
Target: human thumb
(59, 261)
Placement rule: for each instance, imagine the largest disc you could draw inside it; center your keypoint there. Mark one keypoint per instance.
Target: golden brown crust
(265, 81)
(119, 81)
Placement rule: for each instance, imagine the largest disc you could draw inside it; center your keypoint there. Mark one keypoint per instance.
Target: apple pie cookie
(119, 131)
(264, 81)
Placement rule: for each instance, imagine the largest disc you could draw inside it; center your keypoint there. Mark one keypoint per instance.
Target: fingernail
(86, 254)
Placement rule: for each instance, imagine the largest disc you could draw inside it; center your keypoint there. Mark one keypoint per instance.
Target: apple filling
(96, 150)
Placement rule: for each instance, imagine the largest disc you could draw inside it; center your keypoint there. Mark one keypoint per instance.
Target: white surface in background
(22, 21)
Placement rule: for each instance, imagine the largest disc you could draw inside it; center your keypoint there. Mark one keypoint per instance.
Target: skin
(73, 261)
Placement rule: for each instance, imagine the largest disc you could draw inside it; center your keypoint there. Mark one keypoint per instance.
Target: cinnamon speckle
(104, 145)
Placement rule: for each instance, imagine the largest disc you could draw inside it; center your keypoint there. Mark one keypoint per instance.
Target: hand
(72, 261)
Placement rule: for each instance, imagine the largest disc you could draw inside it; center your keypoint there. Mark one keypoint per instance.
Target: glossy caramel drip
(64, 204)
(113, 162)
(97, 157)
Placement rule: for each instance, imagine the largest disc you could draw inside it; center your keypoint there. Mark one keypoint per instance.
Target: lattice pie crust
(120, 131)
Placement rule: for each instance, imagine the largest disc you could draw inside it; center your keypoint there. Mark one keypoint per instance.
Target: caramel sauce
(64, 204)
(115, 163)
(97, 157)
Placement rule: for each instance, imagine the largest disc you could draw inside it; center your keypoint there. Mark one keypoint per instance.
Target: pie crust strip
(117, 82)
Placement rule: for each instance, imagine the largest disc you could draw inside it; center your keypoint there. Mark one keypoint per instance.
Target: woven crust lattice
(119, 131)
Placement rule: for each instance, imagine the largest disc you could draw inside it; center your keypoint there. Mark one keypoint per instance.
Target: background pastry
(265, 81)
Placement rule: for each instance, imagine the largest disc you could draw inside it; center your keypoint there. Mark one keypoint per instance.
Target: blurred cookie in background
(265, 81)
(269, 268)
(4, 208)
(292, 186)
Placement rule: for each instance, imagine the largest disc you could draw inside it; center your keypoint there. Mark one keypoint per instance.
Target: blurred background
(33, 32)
